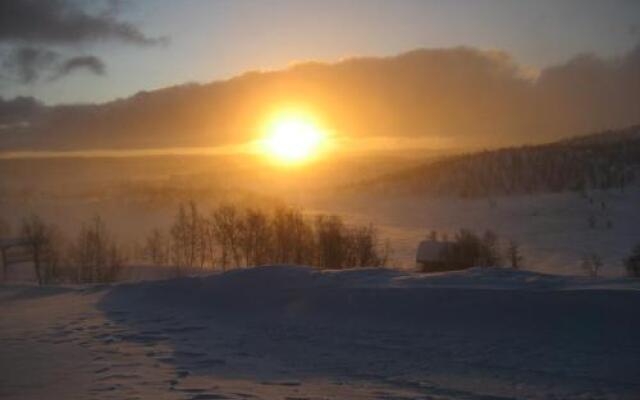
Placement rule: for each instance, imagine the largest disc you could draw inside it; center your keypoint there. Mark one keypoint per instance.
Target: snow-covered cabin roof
(430, 250)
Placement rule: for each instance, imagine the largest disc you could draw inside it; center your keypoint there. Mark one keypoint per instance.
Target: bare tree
(293, 237)
(44, 242)
(205, 254)
(157, 248)
(490, 252)
(195, 236)
(591, 264)
(331, 241)
(255, 237)
(186, 237)
(365, 247)
(95, 254)
(180, 240)
(227, 226)
(282, 235)
(209, 242)
(302, 238)
(513, 255)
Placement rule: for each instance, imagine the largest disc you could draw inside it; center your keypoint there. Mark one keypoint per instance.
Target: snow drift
(295, 332)
(482, 331)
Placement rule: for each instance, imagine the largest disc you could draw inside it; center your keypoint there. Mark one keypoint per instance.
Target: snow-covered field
(298, 333)
(554, 230)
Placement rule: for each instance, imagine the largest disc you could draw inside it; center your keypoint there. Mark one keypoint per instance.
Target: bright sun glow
(293, 138)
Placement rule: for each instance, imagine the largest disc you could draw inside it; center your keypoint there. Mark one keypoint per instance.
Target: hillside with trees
(606, 160)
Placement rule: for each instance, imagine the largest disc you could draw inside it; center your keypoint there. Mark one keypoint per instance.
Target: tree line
(226, 237)
(231, 236)
(93, 255)
(556, 167)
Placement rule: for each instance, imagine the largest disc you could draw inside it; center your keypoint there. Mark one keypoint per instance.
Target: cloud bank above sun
(463, 95)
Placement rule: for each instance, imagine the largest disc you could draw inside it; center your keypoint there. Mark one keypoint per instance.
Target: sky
(146, 45)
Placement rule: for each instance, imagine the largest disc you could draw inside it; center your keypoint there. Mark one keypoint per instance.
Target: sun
(293, 138)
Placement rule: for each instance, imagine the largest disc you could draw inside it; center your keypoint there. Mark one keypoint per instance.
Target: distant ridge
(603, 160)
(604, 137)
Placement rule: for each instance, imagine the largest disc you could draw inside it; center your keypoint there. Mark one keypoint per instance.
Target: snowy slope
(553, 230)
(285, 332)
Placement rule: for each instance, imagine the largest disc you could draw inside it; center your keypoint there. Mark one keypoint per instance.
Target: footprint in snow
(105, 388)
(189, 354)
(209, 363)
(208, 396)
(119, 377)
(191, 390)
(184, 329)
(182, 373)
(281, 383)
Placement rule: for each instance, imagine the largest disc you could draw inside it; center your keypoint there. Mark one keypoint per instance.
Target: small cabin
(430, 256)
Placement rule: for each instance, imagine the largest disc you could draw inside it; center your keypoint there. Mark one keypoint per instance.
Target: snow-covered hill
(285, 332)
(555, 231)
(604, 160)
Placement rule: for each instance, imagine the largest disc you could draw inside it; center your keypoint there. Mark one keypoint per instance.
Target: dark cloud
(63, 22)
(472, 97)
(90, 63)
(19, 111)
(33, 31)
(26, 64)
